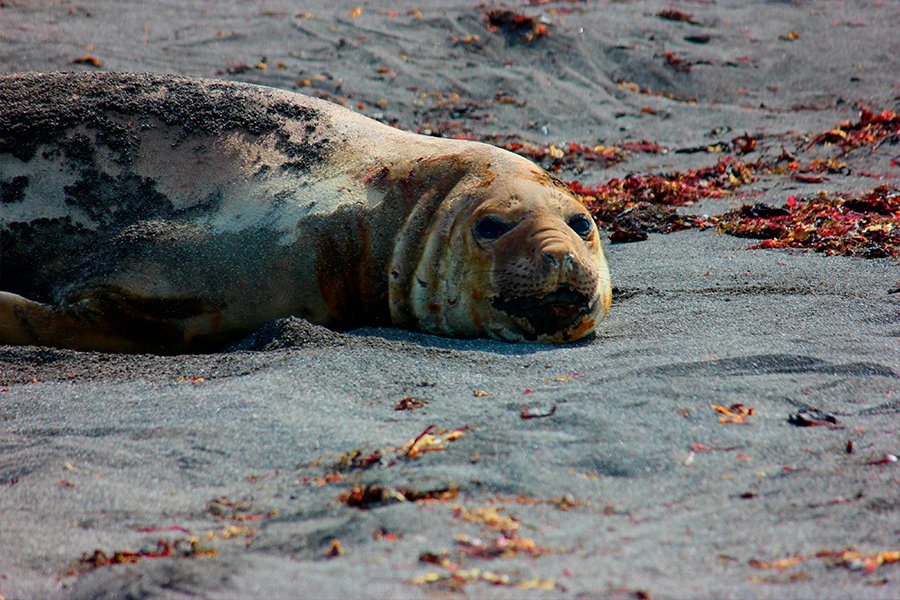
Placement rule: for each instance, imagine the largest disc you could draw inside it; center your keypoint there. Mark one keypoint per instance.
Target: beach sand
(284, 469)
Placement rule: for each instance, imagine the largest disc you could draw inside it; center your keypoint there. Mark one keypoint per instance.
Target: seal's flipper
(24, 322)
(81, 326)
(13, 329)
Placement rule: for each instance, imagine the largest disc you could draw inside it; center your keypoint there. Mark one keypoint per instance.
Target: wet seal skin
(150, 213)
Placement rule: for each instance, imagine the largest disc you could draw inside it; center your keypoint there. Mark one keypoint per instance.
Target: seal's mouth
(555, 312)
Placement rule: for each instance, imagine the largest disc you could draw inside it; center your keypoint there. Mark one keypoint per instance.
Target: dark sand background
(117, 452)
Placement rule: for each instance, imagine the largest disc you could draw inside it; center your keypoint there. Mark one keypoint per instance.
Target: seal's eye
(491, 228)
(581, 225)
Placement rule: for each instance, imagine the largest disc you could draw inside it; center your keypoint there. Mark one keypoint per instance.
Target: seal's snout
(557, 265)
(559, 260)
(548, 278)
(556, 258)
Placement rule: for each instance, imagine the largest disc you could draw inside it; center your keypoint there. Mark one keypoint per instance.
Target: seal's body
(146, 213)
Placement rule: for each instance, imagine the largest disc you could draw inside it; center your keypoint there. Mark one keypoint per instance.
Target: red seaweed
(862, 225)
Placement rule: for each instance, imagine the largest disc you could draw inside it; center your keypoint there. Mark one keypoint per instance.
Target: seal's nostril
(550, 259)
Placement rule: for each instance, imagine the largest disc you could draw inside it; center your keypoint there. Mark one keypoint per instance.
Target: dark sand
(114, 453)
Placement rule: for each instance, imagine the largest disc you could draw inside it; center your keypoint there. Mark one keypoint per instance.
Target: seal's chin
(548, 316)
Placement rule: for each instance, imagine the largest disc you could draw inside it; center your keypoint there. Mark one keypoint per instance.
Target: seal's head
(509, 253)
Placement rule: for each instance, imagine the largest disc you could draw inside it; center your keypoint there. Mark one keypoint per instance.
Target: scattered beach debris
(410, 403)
(490, 516)
(226, 509)
(678, 63)
(431, 439)
(88, 59)
(182, 547)
(678, 188)
(850, 558)
(870, 129)
(736, 413)
(499, 539)
(373, 495)
(887, 459)
(634, 88)
(167, 528)
(455, 580)
(636, 205)
(863, 225)
(234, 69)
(813, 417)
(705, 448)
(672, 14)
(537, 413)
(517, 28)
(497, 547)
(335, 549)
(178, 548)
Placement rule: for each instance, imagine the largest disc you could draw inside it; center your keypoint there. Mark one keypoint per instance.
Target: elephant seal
(148, 213)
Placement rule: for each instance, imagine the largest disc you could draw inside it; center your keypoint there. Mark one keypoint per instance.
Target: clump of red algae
(863, 225)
